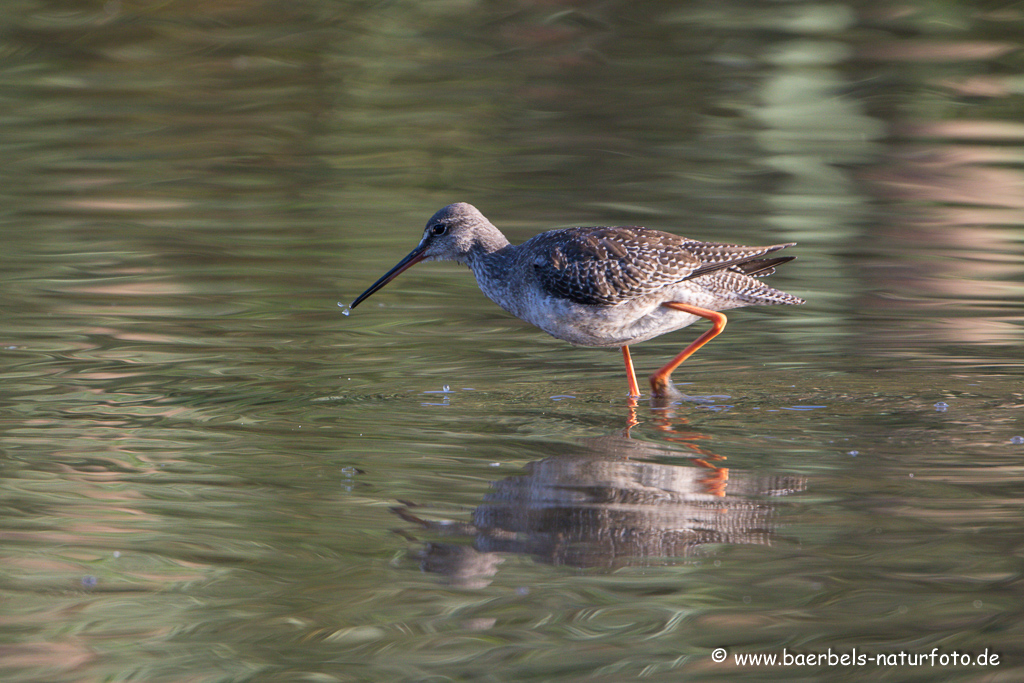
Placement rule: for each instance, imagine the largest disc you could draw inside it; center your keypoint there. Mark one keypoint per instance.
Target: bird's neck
(491, 266)
(487, 246)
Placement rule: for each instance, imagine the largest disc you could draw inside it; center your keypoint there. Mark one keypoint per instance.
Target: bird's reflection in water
(609, 502)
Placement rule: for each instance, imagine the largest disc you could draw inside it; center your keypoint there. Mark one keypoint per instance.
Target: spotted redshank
(602, 286)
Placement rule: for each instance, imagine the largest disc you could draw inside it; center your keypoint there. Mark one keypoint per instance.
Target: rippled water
(210, 473)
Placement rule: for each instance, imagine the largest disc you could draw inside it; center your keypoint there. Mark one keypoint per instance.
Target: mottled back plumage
(606, 266)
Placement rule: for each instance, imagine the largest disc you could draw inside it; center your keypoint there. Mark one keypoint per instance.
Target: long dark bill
(414, 257)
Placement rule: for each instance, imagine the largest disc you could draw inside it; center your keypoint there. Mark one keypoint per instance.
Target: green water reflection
(208, 473)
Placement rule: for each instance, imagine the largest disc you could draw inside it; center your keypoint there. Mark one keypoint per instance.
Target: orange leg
(660, 382)
(634, 389)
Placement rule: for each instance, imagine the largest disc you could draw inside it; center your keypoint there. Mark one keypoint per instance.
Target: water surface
(209, 473)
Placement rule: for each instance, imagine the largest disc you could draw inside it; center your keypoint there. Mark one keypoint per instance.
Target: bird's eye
(439, 230)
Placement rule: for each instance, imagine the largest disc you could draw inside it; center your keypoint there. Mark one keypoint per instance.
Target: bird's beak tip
(413, 258)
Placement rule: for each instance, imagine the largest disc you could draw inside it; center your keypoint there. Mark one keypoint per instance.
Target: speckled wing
(604, 266)
(715, 256)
